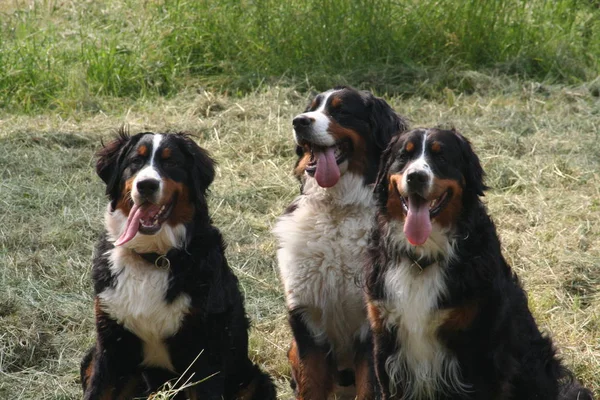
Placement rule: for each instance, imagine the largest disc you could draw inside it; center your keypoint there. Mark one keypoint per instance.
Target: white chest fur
(321, 255)
(137, 301)
(422, 364)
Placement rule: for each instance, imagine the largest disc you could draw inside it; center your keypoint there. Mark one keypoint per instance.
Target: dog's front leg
(364, 370)
(384, 344)
(312, 365)
(113, 370)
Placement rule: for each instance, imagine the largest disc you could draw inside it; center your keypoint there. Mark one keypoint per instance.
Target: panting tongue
(327, 173)
(137, 213)
(417, 226)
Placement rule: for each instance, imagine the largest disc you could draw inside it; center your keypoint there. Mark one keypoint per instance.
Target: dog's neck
(350, 190)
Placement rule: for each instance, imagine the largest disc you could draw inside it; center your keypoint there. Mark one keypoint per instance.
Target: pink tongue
(328, 172)
(133, 221)
(417, 226)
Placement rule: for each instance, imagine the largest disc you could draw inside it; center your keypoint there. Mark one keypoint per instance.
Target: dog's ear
(381, 184)
(109, 164)
(203, 166)
(384, 121)
(473, 172)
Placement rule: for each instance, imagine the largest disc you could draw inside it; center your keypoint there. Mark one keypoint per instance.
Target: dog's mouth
(324, 161)
(419, 212)
(146, 218)
(435, 206)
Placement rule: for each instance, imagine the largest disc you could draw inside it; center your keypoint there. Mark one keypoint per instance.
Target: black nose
(417, 180)
(148, 187)
(301, 121)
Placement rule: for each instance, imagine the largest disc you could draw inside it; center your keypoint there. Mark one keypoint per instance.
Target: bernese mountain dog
(449, 317)
(323, 237)
(167, 305)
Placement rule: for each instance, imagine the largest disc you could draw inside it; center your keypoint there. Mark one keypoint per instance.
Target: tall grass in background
(69, 54)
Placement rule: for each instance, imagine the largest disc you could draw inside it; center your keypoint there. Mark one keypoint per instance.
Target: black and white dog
(165, 299)
(323, 239)
(449, 317)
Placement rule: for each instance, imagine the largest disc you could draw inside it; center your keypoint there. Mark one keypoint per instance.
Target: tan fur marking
(436, 147)
(124, 203)
(460, 318)
(410, 146)
(183, 210)
(375, 317)
(143, 150)
(301, 167)
(312, 374)
(362, 379)
(294, 359)
(336, 102)
(395, 209)
(89, 371)
(166, 153)
(357, 161)
(450, 213)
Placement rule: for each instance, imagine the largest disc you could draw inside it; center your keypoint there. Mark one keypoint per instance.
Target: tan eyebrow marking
(143, 150)
(410, 146)
(436, 147)
(336, 102)
(166, 153)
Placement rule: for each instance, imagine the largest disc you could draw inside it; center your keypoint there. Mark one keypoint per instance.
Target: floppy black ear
(473, 172)
(385, 122)
(203, 166)
(381, 188)
(109, 164)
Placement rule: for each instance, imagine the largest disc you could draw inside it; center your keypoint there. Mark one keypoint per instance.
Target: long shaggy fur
(449, 317)
(156, 319)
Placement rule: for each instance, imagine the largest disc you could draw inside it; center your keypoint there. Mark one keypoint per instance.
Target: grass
(73, 54)
(519, 78)
(538, 145)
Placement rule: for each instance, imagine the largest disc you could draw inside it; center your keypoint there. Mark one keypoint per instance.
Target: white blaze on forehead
(155, 145)
(320, 125)
(419, 165)
(149, 171)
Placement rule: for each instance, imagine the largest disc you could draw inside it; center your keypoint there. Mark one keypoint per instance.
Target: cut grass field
(538, 144)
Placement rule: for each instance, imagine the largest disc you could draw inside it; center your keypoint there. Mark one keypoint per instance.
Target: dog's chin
(161, 241)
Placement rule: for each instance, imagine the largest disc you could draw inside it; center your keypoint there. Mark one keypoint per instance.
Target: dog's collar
(422, 262)
(160, 261)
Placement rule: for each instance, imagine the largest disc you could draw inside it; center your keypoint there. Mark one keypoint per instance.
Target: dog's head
(427, 178)
(156, 184)
(343, 130)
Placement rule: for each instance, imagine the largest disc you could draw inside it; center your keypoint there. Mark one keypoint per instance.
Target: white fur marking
(419, 165)
(319, 134)
(322, 245)
(137, 301)
(149, 172)
(422, 365)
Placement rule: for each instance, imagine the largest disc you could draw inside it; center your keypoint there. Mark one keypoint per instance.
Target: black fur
(501, 352)
(213, 337)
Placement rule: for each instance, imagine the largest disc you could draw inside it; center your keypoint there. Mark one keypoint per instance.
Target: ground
(538, 145)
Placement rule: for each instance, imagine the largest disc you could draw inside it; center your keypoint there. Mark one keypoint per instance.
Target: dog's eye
(441, 157)
(137, 161)
(169, 163)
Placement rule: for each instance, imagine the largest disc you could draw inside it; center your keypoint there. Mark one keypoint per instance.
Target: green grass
(537, 144)
(72, 54)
